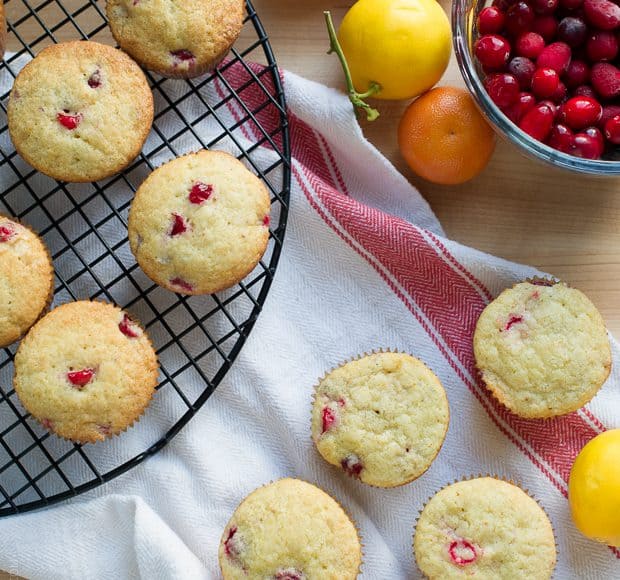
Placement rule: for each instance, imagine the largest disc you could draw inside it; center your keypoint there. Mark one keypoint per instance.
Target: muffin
(86, 371)
(26, 280)
(381, 418)
(80, 111)
(178, 39)
(2, 30)
(484, 528)
(200, 223)
(542, 349)
(290, 530)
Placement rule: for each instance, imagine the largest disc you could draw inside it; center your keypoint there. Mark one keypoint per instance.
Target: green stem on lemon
(356, 98)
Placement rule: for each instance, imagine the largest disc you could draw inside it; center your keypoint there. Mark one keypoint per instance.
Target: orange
(444, 138)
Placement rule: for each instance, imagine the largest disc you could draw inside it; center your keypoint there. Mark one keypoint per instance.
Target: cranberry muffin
(80, 111)
(290, 530)
(26, 280)
(176, 39)
(381, 418)
(86, 371)
(200, 223)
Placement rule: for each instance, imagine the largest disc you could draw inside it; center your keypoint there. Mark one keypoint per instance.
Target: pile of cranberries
(552, 67)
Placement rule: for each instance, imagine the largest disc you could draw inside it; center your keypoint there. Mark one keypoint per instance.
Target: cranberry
(596, 134)
(612, 130)
(79, 379)
(586, 146)
(289, 574)
(492, 51)
(529, 45)
(352, 465)
(577, 73)
(609, 112)
(519, 18)
(517, 110)
(490, 20)
(545, 7)
(556, 56)
(522, 69)
(559, 96)
(128, 327)
(68, 120)
(232, 546)
(545, 82)
(94, 80)
(546, 26)
(266, 221)
(7, 232)
(571, 4)
(581, 112)
(200, 192)
(572, 31)
(602, 14)
(503, 5)
(538, 121)
(605, 80)
(551, 105)
(602, 46)
(503, 89)
(182, 56)
(179, 225)
(48, 424)
(182, 285)
(584, 91)
(561, 138)
(512, 320)
(462, 552)
(329, 419)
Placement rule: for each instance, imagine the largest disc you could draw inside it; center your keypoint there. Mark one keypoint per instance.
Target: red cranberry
(352, 465)
(561, 138)
(537, 122)
(572, 31)
(200, 192)
(181, 56)
(68, 120)
(586, 146)
(605, 79)
(128, 327)
(560, 94)
(290, 574)
(79, 379)
(517, 110)
(602, 46)
(596, 134)
(522, 69)
(609, 111)
(490, 20)
(581, 112)
(179, 225)
(551, 105)
(492, 51)
(503, 89)
(545, 7)
(571, 4)
(329, 419)
(556, 56)
(512, 320)
(181, 285)
(545, 82)
(7, 232)
(584, 91)
(577, 73)
(529, 45)
(232, 546)
(519, 18)
(602, 14)
(546, 26)
(94, 80)
(266, 221)
(612, 130)
(462, 552)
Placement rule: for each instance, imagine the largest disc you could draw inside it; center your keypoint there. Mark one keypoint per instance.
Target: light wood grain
(519, 209)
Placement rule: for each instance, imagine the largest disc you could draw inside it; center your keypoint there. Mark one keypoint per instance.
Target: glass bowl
(464, 13)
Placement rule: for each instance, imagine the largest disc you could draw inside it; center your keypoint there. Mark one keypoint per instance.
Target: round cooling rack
(239, 108)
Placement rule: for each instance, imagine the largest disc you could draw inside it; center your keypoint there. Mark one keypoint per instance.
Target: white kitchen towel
(365, 265)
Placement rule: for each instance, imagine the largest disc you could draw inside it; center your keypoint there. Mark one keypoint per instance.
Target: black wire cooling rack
(239, 108)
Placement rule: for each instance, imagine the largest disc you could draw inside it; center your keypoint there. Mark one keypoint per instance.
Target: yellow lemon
(594, 488)
(404, 45)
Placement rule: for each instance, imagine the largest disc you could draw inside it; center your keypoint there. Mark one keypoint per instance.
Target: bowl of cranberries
(546, 73)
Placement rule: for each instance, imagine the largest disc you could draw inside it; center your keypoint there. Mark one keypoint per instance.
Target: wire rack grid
(240, 108)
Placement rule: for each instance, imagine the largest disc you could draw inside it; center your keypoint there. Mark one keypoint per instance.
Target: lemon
(594, 488)
(404, 45)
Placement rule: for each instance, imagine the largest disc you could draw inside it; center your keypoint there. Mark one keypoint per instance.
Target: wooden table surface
(518, 209)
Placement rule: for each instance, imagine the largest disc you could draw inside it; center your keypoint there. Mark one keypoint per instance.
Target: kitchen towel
(365, 265)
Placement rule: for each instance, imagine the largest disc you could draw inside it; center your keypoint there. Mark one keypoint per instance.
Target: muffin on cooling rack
(26, 280)
(80, 111)
(542, 349)
(290, 530)
(86, 371)
(178, 39)
(200, 223)
(381, 418)
(484, 528)
(2, 30)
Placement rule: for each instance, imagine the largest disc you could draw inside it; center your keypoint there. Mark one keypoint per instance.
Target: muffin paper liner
(136, 419)
(480, 476)
(356, 358)
(346, 513)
